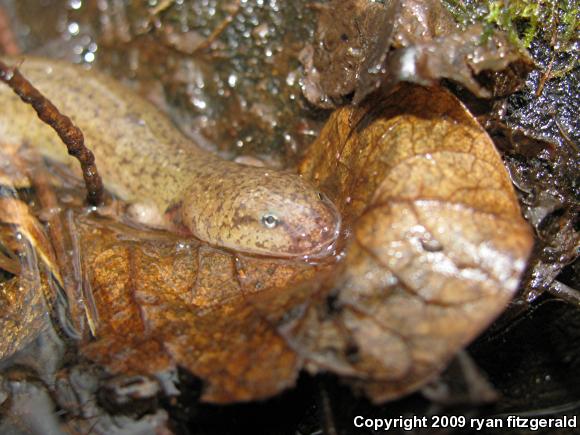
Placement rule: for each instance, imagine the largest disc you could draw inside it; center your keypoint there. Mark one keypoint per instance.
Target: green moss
(557, 21)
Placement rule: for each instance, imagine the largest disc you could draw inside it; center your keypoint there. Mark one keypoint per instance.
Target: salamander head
(282, 215)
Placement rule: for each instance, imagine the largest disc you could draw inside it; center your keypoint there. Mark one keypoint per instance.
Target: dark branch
(69, 133)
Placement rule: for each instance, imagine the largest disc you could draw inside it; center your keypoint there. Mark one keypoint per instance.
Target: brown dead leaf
(353, 38)
(24, 313)
(163, 303)
(404, 40)
(15, 212)
(438, 241)
(25, 299)
(421, 21)
(12, 167)
(460, 57)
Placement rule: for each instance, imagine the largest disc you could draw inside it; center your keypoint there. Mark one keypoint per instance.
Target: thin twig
(545, 77)
(69, 133)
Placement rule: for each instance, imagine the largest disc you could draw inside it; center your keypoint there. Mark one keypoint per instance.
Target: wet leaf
(460, 57)
(438, 241)
(15, 212)
(25, 299)
(404, 40)
(353, 37)
(23, 314)
(162, 303)
(422, 21)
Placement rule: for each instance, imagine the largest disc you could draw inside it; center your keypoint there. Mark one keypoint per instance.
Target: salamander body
(144, 159)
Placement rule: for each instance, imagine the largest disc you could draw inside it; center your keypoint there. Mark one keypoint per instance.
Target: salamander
(146, 160)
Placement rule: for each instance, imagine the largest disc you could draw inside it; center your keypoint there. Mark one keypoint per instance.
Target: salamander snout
(316, 237)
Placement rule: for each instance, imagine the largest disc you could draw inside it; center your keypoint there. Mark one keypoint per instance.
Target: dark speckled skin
(144, 158)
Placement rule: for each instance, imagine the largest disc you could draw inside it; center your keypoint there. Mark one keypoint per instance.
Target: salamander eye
(321, 196)
(270, 220)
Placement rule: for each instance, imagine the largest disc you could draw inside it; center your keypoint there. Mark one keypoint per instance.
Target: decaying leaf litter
(297, 316)
(419, 43)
